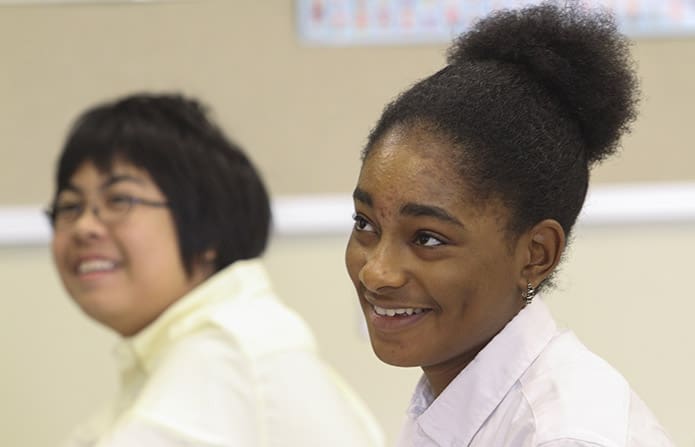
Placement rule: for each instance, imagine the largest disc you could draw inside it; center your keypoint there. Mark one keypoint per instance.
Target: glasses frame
(51, 213)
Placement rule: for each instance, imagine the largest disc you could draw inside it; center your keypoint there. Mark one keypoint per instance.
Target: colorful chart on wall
(364, 22)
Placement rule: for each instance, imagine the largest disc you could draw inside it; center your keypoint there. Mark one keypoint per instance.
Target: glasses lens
(66, 212)
(116, 206)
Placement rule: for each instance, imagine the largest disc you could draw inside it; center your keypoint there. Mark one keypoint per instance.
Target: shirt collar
(484, 383)
(240, 281)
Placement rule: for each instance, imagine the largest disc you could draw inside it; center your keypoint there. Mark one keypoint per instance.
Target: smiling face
(435, 273)
(123, 274)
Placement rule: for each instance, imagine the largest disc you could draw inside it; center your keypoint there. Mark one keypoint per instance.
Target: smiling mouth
(95, 265)
(401, 312)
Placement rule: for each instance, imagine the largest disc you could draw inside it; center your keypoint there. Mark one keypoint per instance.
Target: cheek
(153, 276)
(354, 260)
(158, 231)
(55, 248)
(58, 248)
(458, 285)
(153, 267)
(150, 247)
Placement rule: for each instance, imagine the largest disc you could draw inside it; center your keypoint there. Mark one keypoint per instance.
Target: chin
(99, 308)
(391, 355)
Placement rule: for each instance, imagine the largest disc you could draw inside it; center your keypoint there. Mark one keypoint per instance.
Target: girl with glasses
(159, 222)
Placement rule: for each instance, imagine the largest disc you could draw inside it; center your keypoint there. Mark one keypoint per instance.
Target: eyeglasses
(110, 209)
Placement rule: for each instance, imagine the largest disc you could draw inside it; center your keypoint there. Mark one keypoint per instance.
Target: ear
(203, 266)
(208, 256)
(544, 245)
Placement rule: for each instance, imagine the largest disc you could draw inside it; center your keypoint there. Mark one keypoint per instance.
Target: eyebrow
(410, 209)
(107, 184)
(419, 210)
(121, 178)
(362, 196)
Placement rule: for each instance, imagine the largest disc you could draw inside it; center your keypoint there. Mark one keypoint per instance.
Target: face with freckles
(124, 273)
(435, 272)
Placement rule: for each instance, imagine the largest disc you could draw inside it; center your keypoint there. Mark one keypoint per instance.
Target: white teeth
(95, 265)
(384, 312)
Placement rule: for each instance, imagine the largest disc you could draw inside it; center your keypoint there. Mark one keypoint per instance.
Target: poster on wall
(365, 22)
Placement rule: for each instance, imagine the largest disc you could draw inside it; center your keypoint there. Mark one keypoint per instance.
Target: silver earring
(529, 294)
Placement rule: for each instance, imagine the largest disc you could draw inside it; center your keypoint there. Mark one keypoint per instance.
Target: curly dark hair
(530, 100)
(216, 195)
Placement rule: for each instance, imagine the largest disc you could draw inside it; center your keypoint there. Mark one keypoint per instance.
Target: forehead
(406, 171)
(90, 175)
(415, 164)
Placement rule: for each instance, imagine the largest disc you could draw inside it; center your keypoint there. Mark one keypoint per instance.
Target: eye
(67, 209)
(118, 201)
(426, 239)
(361, 223)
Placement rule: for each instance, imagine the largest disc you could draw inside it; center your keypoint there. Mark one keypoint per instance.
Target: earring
(529, 294)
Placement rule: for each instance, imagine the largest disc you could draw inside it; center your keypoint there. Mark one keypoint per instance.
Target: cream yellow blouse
(228, 365)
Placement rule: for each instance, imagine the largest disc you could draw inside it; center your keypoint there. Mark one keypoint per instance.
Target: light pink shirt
(533, 385)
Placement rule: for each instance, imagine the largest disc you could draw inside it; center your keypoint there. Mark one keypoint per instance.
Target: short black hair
(530, 99)
(217, 197)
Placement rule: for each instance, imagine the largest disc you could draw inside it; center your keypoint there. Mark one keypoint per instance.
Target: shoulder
(644, 429)
(578, 399)
(574, 371)
(263, 325)
(576, 396)
(240, 302)
(205, 365)
(200, 388)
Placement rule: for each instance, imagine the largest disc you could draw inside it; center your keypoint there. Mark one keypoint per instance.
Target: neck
(441, 375)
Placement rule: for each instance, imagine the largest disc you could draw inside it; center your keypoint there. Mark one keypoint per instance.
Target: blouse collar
(238, 282)
(484, 382)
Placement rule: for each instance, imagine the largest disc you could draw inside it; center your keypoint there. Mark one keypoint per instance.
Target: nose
(88, 224)
(384, 268)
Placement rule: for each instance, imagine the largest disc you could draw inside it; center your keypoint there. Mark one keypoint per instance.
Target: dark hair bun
(575, 53)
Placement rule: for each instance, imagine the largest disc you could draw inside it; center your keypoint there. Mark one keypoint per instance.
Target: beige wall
(302, 111)
(299, 110)
(626, 291)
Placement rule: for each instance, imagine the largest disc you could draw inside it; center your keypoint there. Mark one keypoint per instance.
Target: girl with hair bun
(470, 185)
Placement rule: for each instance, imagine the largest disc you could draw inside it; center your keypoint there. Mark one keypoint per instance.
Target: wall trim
(316, 215)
